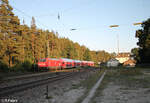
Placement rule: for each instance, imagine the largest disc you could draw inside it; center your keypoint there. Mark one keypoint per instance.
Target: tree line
(142, 53)
(20, 43)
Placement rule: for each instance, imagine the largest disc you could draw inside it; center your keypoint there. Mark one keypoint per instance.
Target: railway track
(16, 80)
(24, 86)
(36, 75)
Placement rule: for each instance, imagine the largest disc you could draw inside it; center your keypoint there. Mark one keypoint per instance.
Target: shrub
(27, 65)
(22, 67)
(35, 67)
(3, 67)
(17, 68)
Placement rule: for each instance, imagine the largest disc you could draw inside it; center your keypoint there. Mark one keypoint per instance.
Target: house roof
(130, 61)
(120, 55)
(113, 59)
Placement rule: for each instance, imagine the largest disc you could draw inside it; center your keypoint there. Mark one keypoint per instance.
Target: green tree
(103, 56)
(135, 53)
(87, 55)
(143, 36)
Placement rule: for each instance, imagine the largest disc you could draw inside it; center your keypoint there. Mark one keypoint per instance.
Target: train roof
(53, 59)
(66, 59)
(77, 60)
(50, 58)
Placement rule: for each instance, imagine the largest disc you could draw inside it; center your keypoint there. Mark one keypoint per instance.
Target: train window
(42, 60)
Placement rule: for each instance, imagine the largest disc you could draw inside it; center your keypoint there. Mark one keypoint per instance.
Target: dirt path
(93, 90)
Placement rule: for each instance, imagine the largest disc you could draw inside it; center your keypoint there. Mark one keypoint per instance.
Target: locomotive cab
(42, 63)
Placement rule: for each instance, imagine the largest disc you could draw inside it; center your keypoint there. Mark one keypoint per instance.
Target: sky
(90, 18)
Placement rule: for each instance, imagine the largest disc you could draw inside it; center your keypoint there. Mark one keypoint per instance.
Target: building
(130, 63)
(112, 63)
(123, 57)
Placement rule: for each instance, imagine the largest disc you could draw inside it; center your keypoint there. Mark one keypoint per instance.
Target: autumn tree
(20, 42)
(10, 33)
(33, 37)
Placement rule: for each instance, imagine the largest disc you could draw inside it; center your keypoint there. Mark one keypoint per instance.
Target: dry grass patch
(122, 81)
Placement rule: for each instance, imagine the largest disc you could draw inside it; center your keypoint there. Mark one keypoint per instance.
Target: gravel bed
(59, 91)
(25, 80)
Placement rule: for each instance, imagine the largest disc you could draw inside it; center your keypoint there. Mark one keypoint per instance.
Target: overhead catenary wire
(25, 14)
(67, 9)
(59, 17)
(77, 7)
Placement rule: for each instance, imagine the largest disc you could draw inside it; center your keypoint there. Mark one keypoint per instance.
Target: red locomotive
(49, 63)
(62, 63)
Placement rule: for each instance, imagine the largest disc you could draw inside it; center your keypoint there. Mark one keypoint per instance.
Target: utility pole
(112, 26)
(47, 46)
(47, 54)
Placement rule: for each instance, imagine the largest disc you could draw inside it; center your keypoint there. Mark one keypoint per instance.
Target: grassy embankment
(130, 78)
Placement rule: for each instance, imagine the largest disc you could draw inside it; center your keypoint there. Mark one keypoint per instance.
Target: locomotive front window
(42, 60)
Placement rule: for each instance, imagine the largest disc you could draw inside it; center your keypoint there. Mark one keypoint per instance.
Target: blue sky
(91, 18)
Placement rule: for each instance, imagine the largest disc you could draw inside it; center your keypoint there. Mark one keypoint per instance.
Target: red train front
(49, 63)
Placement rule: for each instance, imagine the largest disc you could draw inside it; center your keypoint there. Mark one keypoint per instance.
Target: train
(62, 63)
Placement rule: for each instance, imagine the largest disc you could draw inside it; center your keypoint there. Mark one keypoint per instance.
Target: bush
(22, 67)
(27, 65)
(3, 67)
(35, 67)
(17, 68)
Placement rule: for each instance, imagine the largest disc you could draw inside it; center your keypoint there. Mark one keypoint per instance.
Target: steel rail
(20, 87)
